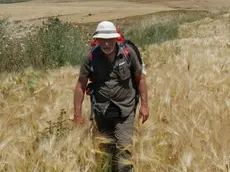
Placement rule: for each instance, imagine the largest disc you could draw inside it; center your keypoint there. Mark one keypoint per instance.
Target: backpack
(122, 42)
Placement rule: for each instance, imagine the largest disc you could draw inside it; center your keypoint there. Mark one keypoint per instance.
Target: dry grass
(189, 95)
(190, 99)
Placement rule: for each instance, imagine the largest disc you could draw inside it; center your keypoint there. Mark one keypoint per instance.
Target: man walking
(116, 74)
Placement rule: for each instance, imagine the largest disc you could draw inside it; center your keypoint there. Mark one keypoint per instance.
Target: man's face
(107, 45)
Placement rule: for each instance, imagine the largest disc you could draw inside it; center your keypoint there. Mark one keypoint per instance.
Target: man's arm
(80, 90)
(79, 95)
(142, 88)
(139, 73)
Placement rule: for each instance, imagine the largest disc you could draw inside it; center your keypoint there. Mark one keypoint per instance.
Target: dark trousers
(119, 131)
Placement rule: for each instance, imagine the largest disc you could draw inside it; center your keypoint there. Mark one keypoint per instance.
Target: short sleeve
(85, 68)
(135, 63)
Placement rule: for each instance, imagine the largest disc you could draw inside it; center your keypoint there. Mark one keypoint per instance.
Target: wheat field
(189, 98)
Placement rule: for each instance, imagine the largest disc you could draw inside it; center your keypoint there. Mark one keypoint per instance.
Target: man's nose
(106, 43)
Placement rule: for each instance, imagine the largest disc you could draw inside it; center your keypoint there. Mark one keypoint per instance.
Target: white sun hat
(106, 30)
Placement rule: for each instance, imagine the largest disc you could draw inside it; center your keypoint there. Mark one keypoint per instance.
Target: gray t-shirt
(113, 81)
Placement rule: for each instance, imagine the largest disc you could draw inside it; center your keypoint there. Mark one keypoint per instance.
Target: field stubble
(189, 97)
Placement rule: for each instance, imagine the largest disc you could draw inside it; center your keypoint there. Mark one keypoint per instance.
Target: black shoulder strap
(134, 47)
(92, 57)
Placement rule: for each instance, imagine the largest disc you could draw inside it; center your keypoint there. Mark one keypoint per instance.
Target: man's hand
(78, 120)
(142, 88)
(144, 113)
(78, 99)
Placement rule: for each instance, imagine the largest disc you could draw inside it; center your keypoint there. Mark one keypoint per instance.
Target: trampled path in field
(92, 10)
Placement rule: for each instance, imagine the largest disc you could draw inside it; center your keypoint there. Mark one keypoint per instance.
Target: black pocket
(113, 111)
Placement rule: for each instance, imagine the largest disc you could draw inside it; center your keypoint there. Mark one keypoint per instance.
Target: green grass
(56, 43)
(148, 33)
(153, 33)
(12, 1)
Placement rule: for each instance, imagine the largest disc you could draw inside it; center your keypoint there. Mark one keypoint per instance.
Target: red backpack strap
(126, 51)
(120, 39)
(94, 43)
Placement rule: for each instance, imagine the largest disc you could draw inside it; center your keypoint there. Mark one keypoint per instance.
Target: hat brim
(106, 36)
